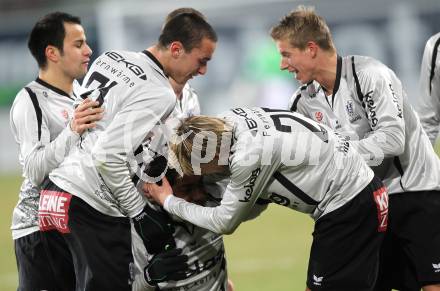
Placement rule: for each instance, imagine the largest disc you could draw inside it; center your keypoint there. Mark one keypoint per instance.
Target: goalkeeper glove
(166, 266)
(156, 230)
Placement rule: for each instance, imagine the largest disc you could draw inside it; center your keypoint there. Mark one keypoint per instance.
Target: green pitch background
(269, 253)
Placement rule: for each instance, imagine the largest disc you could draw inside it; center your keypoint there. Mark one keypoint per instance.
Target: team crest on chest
(319, 116)
(65, 114)
(349, 107)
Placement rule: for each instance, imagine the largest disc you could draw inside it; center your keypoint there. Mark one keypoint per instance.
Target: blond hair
(185, 148)
(301, 26)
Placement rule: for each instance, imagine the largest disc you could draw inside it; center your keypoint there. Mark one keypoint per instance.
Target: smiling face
(75, 56)
(193, 63)
(299, 62)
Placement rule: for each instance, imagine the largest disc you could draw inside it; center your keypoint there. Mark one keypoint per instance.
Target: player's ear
(312, 48)
(52, 53)
(176, 48)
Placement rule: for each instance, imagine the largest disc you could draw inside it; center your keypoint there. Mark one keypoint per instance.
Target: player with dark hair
(45, 125)
(94, 184)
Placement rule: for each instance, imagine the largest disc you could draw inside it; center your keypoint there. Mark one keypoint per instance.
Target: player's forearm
(42, 159)
(116, 176)
(384, 143)
(216, 219)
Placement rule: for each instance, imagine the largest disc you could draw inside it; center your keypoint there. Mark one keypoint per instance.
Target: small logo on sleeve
(249, 187)
(436, 267)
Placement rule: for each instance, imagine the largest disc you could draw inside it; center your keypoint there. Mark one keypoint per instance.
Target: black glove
(156, 229)
(166, 266)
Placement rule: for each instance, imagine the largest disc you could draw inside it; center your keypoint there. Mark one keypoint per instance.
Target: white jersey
(188, 105)
(206, 264)
(285, 158)
(39, 122)
(136, 95)
(371, 109)
(429, 99)
(205, 249)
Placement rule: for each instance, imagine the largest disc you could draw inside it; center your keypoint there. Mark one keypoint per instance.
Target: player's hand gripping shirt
(39, 119)
(283, 157)
(136, 95)
(369, 106)
(429, 99)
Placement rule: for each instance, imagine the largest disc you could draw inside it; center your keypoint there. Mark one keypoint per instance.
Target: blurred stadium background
(271, 252)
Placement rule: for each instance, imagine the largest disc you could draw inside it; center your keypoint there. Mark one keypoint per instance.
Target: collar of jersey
(337, 81)
(156, 61)
(53, 88)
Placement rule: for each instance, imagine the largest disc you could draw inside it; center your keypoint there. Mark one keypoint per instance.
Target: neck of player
(57, 79)
(326, 72)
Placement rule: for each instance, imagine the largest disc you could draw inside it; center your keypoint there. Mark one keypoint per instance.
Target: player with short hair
(364, 101)
(45, 125)
(93, 184)
(293, 161)
(429, 101)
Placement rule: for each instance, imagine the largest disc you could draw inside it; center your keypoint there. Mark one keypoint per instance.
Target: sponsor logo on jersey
(278, 199)
(53, 211)
(396, 101)
(369, 102)
(436, 267)
(199, 266)
(381, 199)
(251, 123)
(343, 143)
(317, 281)
(137, 70)
(250, 185)
(319, 116)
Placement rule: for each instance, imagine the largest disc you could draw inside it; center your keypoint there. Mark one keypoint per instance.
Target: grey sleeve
(383, 98)
(428, 104)
(120, 139)
(40, 156)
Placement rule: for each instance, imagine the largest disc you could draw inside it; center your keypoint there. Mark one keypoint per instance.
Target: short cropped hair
(202, 126)
(181, 10)
(301, 26)
(49, 30)
(187, 26)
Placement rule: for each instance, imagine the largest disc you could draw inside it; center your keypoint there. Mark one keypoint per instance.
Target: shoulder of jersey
(36, 88)
(363, 63)
(434, 38)
(135, 62)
